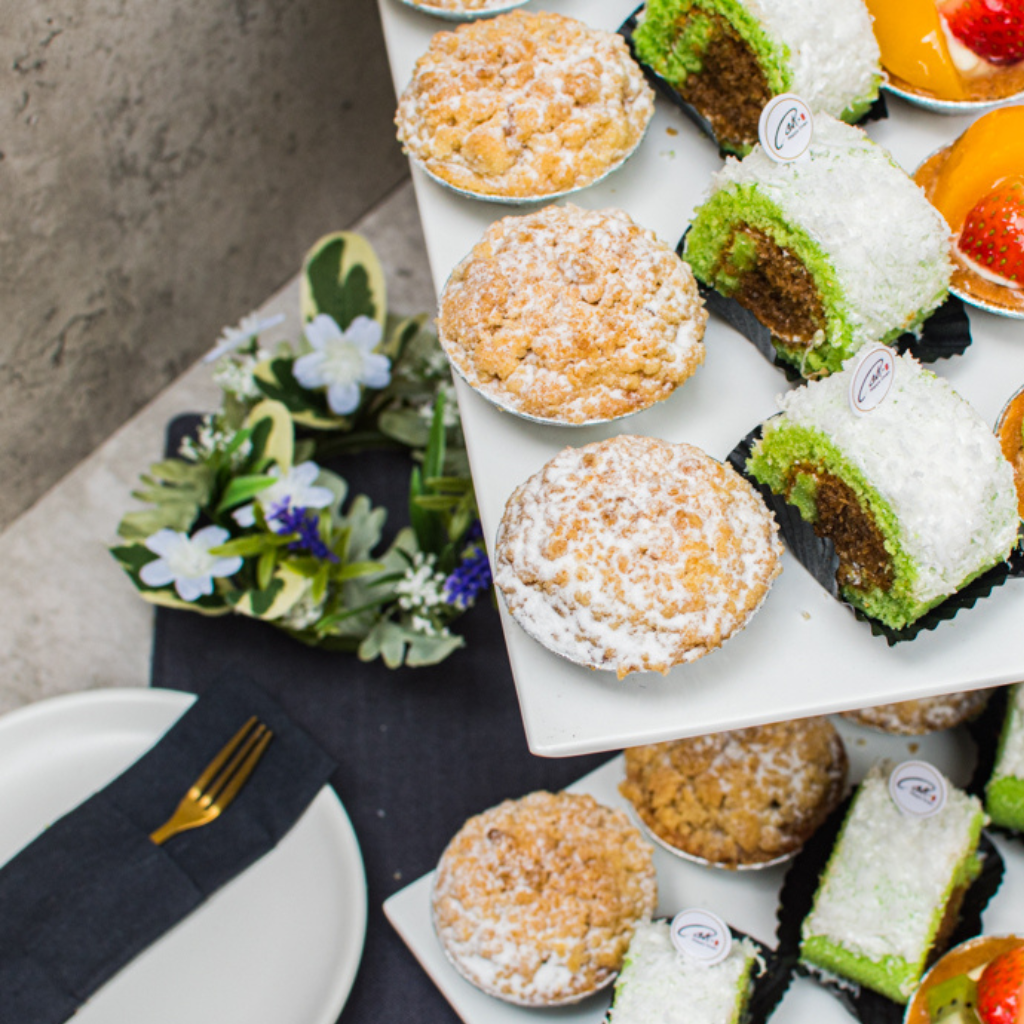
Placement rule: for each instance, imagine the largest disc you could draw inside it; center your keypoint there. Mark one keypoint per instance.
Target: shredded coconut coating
(891, 874)
(535, 900)
(932, 459)
(572, 316)
(632, 553)
(1010, 763)
(742, 797)
(889, 247)
(834, 57)
(923, 715)
(524, 105)
(658, 985)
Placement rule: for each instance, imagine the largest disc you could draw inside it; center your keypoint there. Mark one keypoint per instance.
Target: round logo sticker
(785, 127)
(872, 379)
(917, 789)
(701, 936)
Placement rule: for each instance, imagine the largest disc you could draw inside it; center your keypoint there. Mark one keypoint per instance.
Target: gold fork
(219, 784)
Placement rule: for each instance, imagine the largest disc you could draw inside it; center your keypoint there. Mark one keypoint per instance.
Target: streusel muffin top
(922, 715)
(572, 316)
(739, 798)
(633, 553)
(535, 900)
(524, 105)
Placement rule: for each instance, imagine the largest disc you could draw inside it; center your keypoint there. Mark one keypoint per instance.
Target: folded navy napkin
(92, 891)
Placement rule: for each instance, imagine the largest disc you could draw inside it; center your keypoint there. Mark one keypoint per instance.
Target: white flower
(186, 561)
(294, 489)
(343, 361)
(231, 338)
(422, 587)
(236, 375)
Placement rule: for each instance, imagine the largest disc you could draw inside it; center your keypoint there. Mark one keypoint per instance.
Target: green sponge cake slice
(727, 58)
(882, 905)
(829, 252)
(657, 983)
(915, 494)
(1004, 794)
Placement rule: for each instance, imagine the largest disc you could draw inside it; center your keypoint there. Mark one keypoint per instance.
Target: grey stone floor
(69, 618)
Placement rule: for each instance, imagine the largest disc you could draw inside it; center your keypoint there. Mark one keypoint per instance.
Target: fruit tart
(977, 184)
(951, 55)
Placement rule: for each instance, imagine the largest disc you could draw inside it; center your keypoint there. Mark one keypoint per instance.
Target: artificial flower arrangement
(247, 518)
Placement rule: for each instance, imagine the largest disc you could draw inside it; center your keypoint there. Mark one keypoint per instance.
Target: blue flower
(294, 488)
(186, 561)
(472, 576)
(343, 362)
(284, 519)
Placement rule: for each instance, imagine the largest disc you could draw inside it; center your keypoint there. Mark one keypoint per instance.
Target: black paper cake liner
(797, 896)
(768, 987)
(946, 332)
(818, 556)
(878, 110)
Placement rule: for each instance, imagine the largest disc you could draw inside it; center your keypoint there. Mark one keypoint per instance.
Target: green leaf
(254, 544)
(242, 489)
(429, 650)
(261, 600)
(404, 425)
(144, 523)
(265, 568)
(365, 525)
(178, 471)
(343, 278)
(356, 569)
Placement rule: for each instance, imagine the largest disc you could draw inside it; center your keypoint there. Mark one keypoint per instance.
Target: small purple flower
(472, 576)
(284, 519)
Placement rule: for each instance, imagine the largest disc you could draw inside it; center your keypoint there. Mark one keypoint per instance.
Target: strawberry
(993, 29)
(1001, 989)
(993, 232)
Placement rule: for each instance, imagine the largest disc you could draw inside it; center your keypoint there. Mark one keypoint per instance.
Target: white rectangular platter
(804, 653)
(747, 900)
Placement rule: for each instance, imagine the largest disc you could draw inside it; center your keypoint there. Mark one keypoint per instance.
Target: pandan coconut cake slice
(891, 890)
(831, 251)
(1004, 794)
(657, 983)
(915, 494)
(728, 58)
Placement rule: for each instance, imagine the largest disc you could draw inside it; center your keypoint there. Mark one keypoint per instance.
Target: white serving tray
(803, 653)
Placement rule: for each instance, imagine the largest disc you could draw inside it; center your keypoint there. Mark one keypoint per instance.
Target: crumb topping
(741, 797)
(535, 900)
(572, 316)
(633, 553)
(923, 715)
(524, 105)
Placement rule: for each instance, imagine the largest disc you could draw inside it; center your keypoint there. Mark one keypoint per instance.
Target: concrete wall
(163, 167)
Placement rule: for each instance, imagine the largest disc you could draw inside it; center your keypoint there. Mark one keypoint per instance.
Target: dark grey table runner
(418, 750)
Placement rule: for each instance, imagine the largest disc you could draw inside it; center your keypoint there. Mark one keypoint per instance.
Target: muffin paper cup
(946, 332)
(797, 897)
(769, 986)
(818, 556)
(876, 112)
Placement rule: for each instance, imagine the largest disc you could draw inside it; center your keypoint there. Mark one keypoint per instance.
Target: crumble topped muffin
(524, 105)
(572, 316)
(536, 899)
(923, 715)
(741, 798)
(635, 554)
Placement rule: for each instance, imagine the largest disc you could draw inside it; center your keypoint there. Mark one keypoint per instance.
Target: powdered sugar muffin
(923, 715)
(742, 798)
(572, 316)
(524, 105)
(536, 899)
(633, 553)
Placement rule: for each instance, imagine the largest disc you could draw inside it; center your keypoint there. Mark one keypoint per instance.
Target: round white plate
(281, 942)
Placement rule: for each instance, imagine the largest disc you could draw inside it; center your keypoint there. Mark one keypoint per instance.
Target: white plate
(284, 938)
(747, 900)
(803, 653)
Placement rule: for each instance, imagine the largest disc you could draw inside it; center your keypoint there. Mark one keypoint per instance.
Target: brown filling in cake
(864, 564)
(731, 89)
(777, 288)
